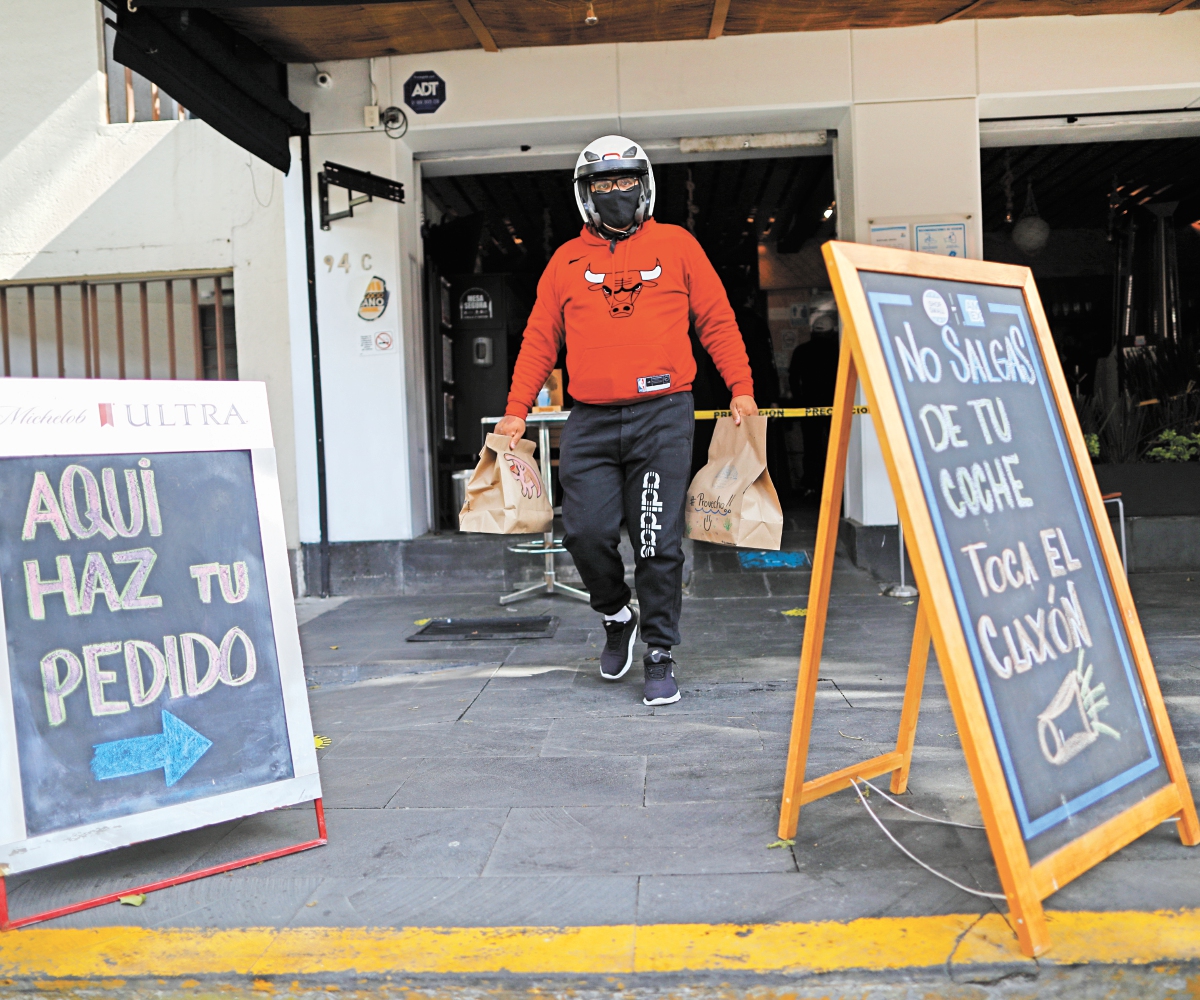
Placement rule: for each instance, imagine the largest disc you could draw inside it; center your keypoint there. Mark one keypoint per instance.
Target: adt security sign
(151, 679)
(425, 92)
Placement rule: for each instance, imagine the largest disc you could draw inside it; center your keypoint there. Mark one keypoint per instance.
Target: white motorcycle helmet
(613, 154)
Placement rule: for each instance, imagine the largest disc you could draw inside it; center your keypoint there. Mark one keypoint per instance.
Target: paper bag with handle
(505, 495)
(732, 500)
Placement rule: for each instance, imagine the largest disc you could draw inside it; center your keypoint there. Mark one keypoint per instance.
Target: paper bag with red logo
(505, 495)
(732, 500)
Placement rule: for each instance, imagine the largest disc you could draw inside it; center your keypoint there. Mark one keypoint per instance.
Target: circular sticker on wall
(935, 307)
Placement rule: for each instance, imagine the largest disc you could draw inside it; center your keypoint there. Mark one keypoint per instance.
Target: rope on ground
(912, 857)
(932, 819)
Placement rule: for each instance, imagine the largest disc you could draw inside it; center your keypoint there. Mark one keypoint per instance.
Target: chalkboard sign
(1031, 589)
(150, 672)
(1022, 591)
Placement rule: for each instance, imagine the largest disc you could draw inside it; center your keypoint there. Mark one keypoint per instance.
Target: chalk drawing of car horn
(1065, 747)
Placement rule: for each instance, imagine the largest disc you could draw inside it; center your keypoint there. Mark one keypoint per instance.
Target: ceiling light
(827, 213)
(1032, 232)
(591, 18)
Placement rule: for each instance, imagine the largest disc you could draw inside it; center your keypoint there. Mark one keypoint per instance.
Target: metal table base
(549, 546)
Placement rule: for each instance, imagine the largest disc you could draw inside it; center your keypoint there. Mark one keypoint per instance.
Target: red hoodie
(624, 312)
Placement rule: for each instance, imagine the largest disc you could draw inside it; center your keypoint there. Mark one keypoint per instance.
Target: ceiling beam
(964, 11)
(720, 12)
(1178, 5)
(467, 12)
(233, 5)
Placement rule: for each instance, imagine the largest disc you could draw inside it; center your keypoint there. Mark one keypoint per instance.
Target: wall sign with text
(1038, 611)
(425, 92)
(150, 670)
(1022, 591)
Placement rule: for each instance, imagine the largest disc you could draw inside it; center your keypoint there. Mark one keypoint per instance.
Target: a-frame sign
(1022, 591)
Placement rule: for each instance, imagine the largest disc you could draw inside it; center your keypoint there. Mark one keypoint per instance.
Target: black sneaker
(661, 688)
(617, 657)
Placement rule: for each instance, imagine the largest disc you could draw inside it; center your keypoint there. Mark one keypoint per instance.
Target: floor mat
(451, 629)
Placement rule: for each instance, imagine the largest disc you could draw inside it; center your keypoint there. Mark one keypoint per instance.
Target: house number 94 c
(345, 264)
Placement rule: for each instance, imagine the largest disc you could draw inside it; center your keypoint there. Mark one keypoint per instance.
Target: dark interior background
(1096, 198)
(523, 217)
(510, 224)
(1091, 194)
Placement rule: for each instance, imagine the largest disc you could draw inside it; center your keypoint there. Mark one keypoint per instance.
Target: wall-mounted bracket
(353, 180)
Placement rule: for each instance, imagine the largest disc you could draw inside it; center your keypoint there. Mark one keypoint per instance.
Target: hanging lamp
(1031, 232)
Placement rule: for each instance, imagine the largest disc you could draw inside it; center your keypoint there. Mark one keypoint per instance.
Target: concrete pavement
(504, 785)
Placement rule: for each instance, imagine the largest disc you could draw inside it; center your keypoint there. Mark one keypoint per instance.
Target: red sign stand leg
(12, 925)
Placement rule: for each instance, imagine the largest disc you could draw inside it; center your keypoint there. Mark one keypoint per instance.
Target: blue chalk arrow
(175, 750)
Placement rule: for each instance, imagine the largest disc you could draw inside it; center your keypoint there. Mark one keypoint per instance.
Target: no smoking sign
(376, 343)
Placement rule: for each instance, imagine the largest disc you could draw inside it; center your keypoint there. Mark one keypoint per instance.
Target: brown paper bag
(732, 500)
(505, 494)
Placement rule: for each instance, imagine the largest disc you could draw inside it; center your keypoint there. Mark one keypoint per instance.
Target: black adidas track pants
(632, 463)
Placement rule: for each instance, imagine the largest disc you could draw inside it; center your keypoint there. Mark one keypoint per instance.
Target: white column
(363, 366)
(900, 156)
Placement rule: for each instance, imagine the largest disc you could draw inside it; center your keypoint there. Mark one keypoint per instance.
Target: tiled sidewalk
(479, 784)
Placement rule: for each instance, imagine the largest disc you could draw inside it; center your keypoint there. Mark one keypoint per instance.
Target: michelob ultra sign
(150, 670)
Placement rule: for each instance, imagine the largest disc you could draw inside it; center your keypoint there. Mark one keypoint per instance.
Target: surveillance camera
(323, 79)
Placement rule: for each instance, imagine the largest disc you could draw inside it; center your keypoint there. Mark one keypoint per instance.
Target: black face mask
(618, 208)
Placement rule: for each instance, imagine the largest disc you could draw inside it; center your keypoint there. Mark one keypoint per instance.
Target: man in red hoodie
(622, 295)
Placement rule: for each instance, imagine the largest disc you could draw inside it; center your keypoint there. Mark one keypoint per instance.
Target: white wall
(81, 197)
(563, 96)
(363, 397)
(906, 103)
(1079, 65)
(376, 433)
(909, 160)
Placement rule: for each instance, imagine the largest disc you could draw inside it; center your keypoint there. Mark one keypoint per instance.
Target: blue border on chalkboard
(1029, 828)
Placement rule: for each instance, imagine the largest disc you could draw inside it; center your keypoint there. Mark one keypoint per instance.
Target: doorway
(761, 221)
(1111, 231)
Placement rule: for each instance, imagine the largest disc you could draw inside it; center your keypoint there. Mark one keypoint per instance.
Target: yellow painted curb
(827, 946)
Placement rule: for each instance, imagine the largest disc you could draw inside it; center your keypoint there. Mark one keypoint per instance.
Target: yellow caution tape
(801, 411)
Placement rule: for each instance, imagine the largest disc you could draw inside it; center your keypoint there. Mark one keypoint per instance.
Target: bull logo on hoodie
(622, 288)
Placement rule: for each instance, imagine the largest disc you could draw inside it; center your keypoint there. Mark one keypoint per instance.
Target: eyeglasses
(620, 183)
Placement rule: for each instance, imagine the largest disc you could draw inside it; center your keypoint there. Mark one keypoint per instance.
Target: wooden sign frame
(1025, 884)
(52, 418)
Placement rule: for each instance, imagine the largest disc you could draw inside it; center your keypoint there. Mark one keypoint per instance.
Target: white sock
(621, 616)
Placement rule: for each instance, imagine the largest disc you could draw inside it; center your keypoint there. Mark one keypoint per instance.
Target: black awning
(220, 76)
